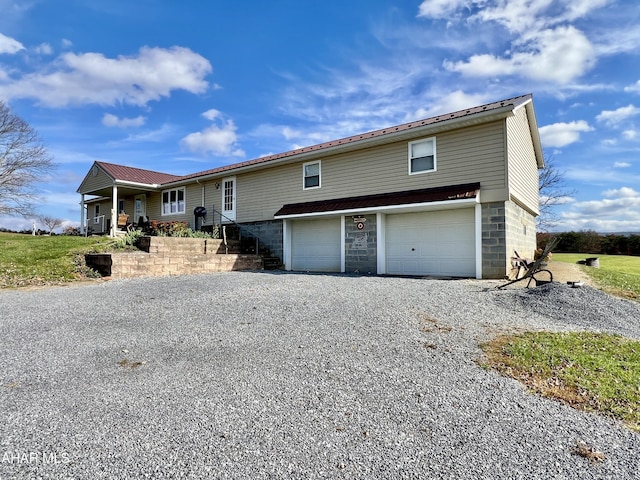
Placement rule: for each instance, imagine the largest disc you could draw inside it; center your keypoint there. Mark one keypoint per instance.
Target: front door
(228, 199)
(140, 208)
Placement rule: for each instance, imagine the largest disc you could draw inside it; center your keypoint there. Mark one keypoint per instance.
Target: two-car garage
(419, 243)
(431, 231)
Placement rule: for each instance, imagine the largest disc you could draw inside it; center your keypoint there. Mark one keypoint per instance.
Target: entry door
(140, 207)
(229, 198)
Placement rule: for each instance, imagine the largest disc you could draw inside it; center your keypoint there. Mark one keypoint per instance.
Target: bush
(177, 229)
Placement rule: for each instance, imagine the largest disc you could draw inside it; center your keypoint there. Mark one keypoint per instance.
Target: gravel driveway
(276, 375)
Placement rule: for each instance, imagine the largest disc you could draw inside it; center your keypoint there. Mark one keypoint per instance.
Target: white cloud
(9, 45)
(212, 114)
(66, 43)
(630, 134)
(615, 117)
(44, 49)
(450, 102)
(562, 134)
(558, 55)
(157, 135)
(439, 8)
(623, 192)
(635, 88)
(91, 78)
(619, 211)
(109, 120)
(544, 45)
(218, 139)
(621, 165)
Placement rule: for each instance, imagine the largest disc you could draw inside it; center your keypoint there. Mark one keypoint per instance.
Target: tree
(23, 161)
(50, 222)
(553, 191)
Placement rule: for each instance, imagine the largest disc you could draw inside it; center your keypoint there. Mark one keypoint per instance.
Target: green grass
(41, 260)
(589, 371)
(618, 274)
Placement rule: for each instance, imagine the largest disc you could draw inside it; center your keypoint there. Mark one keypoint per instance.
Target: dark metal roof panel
(425, 195)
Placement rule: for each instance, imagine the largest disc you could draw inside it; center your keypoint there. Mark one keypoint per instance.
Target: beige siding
(212, 198)
(475, 154)
(105, 209)
(523, 168)
(91, 183)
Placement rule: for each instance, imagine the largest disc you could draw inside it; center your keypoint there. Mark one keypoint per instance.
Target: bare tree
(553, 191)
(50, 222)
(23, 161)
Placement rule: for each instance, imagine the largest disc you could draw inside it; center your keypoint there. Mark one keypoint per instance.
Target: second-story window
(311, 174)
(422, 156)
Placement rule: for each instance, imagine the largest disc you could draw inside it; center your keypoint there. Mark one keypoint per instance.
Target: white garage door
(315, 245)
(431, 243)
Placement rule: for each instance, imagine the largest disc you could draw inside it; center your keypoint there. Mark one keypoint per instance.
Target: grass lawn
(618, 274)
(589, 371)
(41, 260)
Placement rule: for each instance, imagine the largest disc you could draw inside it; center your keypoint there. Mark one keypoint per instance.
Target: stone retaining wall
(180, 256)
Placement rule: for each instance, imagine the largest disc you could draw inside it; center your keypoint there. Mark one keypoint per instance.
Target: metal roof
(136, 175)
(502, 107)
(408, 197)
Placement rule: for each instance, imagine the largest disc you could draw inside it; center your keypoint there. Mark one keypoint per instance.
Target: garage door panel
(315, 245)
(431, 243)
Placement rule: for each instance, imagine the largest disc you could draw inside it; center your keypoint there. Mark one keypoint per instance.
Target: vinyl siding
(523, 168)
(105, 209)
(91, 183)
(474, 154)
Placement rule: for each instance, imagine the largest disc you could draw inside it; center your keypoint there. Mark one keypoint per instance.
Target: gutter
(423, 206)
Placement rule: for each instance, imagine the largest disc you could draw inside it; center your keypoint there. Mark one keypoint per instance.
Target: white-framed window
(96, 213)
(173, 201)
(311, 175)
(121, 206)
(422, 156)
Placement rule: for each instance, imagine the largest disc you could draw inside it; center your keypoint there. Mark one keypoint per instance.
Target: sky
(182, 87)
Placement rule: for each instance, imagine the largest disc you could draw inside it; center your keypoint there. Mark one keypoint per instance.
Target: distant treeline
(593, 242)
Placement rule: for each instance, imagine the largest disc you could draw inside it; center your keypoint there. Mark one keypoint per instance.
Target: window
(311, 174)
(121, 206)
(173, 201)
(96, 213)
(422, 156)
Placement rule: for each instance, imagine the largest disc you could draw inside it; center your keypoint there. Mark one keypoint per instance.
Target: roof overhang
(440, 198)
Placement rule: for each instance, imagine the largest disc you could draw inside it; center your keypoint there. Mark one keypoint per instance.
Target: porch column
(114, 212)
(82, 215)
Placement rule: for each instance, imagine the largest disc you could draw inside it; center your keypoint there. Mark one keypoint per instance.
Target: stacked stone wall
(180, 256)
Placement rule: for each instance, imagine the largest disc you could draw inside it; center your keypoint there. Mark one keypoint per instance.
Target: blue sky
(181, 87)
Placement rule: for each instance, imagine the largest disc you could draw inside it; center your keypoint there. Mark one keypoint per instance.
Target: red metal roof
(425, 195)
(137, 175)
(511, 103)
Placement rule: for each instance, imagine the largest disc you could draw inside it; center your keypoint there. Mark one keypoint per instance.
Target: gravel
(279, 375)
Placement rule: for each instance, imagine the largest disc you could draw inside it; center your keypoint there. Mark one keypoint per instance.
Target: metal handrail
(240, 227)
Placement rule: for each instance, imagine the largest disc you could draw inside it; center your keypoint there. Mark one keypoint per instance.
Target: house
(451, 195)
